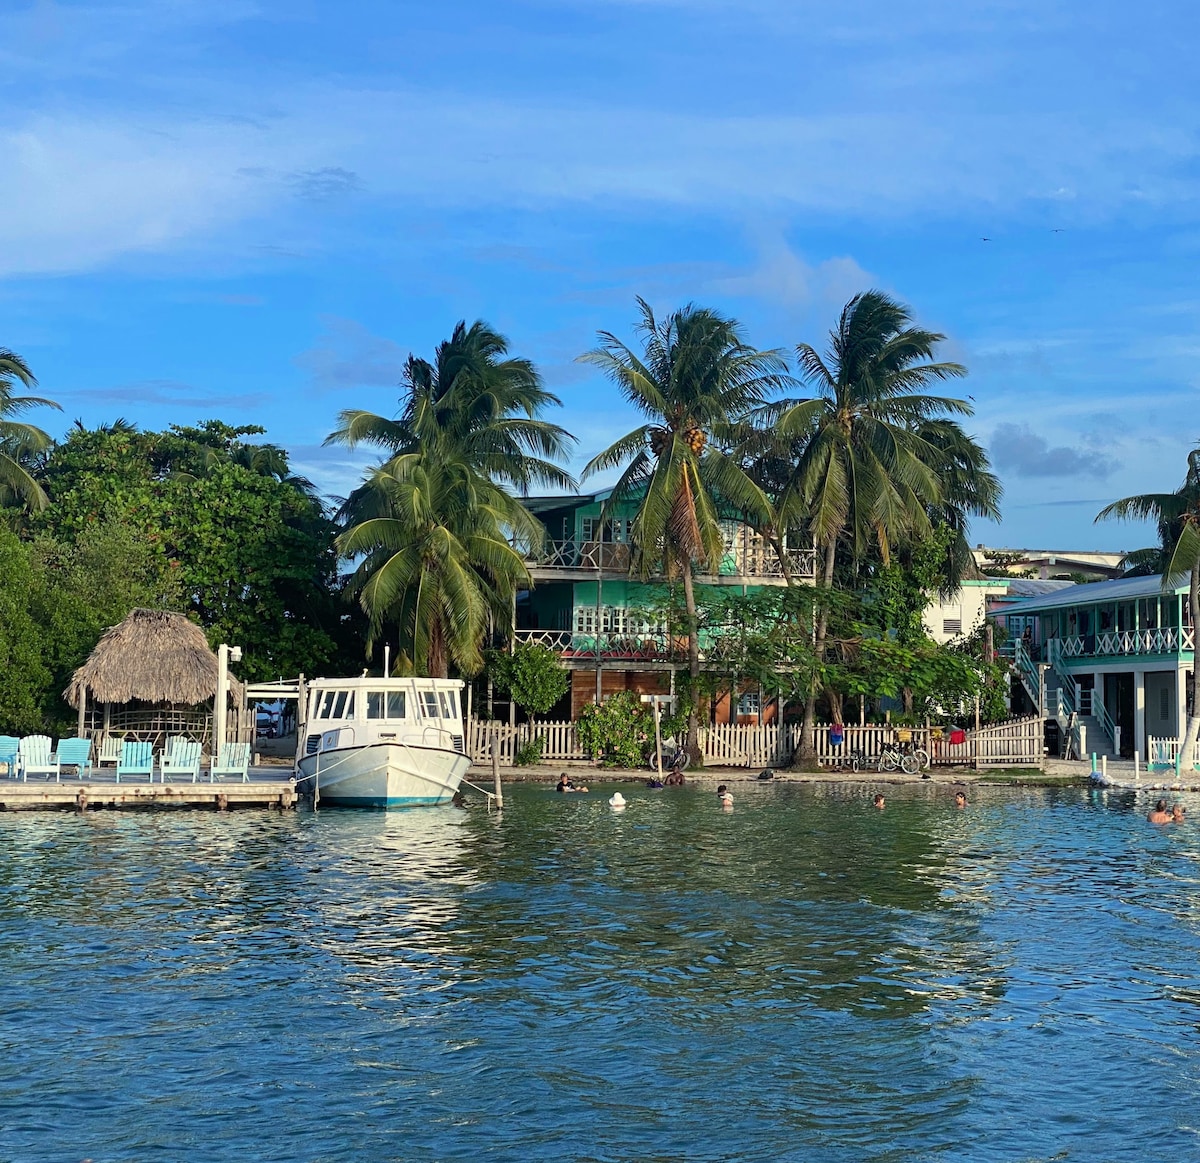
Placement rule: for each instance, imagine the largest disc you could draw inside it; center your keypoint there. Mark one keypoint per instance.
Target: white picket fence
(1018, 742)
(1164, 752)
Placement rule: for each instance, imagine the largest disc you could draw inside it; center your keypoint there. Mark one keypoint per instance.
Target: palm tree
(969, 489)
(694, 381)
(1178, 517)
(436, 557)
(435, 519)
(872, 467)
(477, 402)
(19, 443)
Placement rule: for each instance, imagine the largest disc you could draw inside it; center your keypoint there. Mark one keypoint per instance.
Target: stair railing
(1101, 715)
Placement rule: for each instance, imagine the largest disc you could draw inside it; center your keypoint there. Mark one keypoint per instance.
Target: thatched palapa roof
(154, 656)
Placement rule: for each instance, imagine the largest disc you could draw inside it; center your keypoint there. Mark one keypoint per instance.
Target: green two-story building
(588, 606)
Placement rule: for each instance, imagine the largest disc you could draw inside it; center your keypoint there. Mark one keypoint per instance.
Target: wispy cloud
(169, 393)
(347, 355)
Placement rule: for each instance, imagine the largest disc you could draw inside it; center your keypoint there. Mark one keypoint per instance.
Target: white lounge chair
(182, 757)
(35, 754)
(110, 750)
(232, 762)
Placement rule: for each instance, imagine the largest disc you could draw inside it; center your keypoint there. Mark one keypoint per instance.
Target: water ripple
(804, 978)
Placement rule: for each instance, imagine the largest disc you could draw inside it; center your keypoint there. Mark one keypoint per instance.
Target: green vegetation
(531, 675)
(618, 731)
(874, 472)
(432, 523)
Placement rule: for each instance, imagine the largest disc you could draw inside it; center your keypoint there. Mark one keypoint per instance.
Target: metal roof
(1121, 589)
(1027, 587)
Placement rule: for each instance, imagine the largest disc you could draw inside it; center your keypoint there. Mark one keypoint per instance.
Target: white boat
(382, 742)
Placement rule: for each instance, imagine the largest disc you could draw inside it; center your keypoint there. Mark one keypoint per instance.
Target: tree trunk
(437, 663)
(1188, 746)
(808, 740)
(692, 747)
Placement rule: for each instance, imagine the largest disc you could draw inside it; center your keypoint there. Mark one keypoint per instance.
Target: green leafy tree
(694, 380)
(532, 675)
(869, 470)
(20, 443)
(1177, 515)
(254, 555)
(26, 677)
(433, 523)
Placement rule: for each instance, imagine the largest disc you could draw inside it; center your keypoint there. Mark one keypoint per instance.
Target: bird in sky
(985, 240)
(1057, 229)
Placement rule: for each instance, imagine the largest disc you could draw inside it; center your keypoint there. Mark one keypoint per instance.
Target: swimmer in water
(1159, 815)
(724, 796)
(960, 799)
(880, 802)
(1177, 814)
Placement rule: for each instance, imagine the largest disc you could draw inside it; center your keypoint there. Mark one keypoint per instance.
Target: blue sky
(254, 210)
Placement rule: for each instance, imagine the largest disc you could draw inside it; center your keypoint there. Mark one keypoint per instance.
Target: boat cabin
(356, 712)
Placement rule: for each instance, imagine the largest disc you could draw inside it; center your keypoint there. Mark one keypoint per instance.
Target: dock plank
(266, 789)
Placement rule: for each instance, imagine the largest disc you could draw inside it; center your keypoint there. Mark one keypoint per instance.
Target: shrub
(617, 731)
(529, 754)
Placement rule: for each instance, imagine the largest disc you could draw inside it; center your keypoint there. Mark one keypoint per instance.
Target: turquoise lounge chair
(232, 762)
(182, 757)
(9, 749)
(75, 753)
(36, 757)
(136, 759)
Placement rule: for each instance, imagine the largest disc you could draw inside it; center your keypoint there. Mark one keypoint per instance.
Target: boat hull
(383, 775)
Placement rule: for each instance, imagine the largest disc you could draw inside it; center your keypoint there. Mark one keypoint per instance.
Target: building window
(951, 625)
(748, 703)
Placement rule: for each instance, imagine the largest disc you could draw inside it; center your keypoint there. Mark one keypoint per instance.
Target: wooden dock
(268, 788)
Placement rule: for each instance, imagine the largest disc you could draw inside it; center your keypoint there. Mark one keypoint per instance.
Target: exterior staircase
(1053, 693)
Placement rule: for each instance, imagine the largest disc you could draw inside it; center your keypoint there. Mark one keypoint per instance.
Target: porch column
(82, 710)
(1139, 713)
(1180, 700)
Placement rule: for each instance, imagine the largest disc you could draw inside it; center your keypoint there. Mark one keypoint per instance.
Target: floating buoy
(617, 803)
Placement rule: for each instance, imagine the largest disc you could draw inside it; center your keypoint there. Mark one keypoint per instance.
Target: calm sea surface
(804, 978)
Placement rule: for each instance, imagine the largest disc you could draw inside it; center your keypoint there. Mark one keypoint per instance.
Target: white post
(220, 699)
(1117, 739)
(225, 655)
(658, 736)
(1139, 710)
(1104, 769)
(82, 710)
(1137, 768)
(387, 660)
(497, 790)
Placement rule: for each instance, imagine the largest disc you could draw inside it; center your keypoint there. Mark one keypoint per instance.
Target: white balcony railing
(1164, 640)
(617, 557)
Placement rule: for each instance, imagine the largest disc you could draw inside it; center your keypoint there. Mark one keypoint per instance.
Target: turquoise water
(803, 978)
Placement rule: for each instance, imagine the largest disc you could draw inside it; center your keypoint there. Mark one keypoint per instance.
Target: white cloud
(82, 191)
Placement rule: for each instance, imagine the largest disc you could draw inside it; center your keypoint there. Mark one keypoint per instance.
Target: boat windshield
(336, 705)
(385, 704)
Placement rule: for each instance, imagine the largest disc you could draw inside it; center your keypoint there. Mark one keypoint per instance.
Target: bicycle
(894, 756)
(852, 759)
